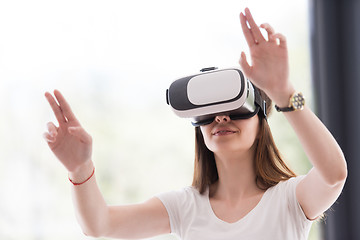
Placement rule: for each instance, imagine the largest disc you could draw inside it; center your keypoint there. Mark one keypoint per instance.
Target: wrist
(283, 102)
(296, 102)
(281, 99)
(82, 172)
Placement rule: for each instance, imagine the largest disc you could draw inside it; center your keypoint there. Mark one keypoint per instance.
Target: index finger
(254, 27)
(56, 108)
(247, 32)
(65, 107)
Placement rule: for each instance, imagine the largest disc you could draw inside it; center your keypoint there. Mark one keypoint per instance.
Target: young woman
(241, 189)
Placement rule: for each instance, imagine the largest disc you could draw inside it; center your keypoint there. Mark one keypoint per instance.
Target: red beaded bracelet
(77, 184)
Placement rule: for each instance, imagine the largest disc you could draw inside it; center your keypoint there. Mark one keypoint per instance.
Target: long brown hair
(270, 168)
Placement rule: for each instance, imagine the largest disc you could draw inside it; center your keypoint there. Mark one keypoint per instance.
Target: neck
(237, 177)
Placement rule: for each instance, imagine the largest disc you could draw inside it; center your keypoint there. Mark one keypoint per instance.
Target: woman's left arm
(323, 184)
(270, 72)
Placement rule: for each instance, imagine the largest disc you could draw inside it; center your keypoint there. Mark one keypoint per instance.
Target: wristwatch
(296, 102)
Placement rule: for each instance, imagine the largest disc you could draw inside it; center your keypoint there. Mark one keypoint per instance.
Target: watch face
(298, 101)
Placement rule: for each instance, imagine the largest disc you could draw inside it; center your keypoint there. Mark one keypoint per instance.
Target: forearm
(320, 146)
(90, 206)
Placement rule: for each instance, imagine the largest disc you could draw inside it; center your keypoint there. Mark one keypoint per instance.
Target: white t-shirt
(277, 216)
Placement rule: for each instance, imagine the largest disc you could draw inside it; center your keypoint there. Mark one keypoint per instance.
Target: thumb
(245, 65)
(80, 133)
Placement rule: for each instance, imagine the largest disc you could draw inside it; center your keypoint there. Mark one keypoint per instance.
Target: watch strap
(296, 102)
(284, 109)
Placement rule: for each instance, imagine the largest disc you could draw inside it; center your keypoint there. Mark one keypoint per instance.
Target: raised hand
(270, 68)
(70, 143)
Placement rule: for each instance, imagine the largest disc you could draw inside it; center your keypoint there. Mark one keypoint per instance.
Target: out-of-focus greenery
(113, 61)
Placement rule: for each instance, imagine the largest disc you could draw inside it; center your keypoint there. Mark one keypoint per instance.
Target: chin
(227, 148)
(231, 147)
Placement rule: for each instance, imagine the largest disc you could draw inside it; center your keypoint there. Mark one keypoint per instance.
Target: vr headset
(213, 92)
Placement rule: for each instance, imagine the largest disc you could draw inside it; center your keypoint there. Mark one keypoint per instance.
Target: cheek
(205, 131)
(253, 132)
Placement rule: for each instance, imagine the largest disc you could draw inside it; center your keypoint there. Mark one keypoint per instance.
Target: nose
(222, 119)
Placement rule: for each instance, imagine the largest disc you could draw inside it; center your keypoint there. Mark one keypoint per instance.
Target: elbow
(94, 229)
(94, 224)
(92, 233)
(339, 176)
(343, 173)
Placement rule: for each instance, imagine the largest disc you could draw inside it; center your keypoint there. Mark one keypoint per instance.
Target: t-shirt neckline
(249, 214)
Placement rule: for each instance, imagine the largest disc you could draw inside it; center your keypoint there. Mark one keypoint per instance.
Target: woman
(241, 188)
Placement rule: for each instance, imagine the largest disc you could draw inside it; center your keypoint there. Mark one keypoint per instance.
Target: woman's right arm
(72, 145)
(128, 221)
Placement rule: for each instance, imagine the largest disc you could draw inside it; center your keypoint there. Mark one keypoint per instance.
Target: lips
(223, 132)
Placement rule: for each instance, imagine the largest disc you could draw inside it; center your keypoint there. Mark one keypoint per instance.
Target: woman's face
(230, 136)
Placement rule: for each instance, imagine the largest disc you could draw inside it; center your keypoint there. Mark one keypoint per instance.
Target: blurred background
(113, 61)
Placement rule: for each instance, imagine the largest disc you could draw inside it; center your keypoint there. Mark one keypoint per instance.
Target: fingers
(245, 65)
(277, 38)
(77, 132)
(65, 107)
(60, 108)
(52, 129)
(281, 38)
(254, 28)
(49, 138)
(80, 133)
(51, 135)
(270, 31)
(253, 34)
(247, 32)
(56, 108)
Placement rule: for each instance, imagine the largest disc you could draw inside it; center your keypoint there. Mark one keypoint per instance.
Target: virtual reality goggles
(213, 92)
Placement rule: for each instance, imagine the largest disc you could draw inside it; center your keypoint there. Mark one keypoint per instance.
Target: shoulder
(284, 193)
(181, 197)
(283, 197)
(181, 205)
(188, 191)
(287, 186)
